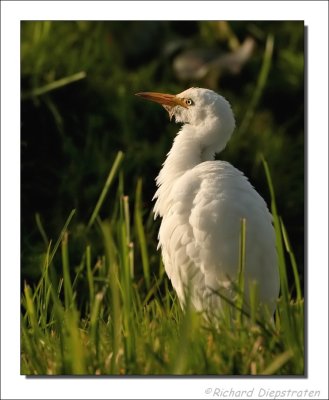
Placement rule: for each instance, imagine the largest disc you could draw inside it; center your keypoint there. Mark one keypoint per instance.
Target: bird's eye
(188, 102)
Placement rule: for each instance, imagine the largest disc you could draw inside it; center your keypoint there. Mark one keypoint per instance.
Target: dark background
(70, 135)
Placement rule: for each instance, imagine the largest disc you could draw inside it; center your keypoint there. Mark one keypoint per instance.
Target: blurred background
(78, 109)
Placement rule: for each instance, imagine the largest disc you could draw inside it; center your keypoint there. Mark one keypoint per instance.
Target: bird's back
(200, 233)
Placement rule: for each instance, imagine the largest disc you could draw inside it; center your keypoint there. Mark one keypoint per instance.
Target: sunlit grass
(132, 323)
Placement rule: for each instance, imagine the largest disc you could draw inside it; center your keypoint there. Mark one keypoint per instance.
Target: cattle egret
(202, 201)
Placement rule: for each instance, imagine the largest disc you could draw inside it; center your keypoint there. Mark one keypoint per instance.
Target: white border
(315, 15)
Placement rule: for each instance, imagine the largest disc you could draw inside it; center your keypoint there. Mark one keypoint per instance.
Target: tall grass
(130, 321)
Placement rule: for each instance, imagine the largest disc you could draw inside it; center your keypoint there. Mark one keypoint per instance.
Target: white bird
(202, 201)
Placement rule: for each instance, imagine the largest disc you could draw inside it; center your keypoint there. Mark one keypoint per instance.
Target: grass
(112, 314)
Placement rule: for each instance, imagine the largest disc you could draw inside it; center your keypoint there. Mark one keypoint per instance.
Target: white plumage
(202, 201)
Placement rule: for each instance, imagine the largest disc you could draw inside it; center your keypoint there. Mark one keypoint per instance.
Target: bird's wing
(178, 246)
(201, 232)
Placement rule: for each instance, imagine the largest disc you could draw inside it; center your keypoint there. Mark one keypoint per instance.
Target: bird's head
(207, 111)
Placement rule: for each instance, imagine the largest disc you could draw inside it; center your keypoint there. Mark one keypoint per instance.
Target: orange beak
(168, 100)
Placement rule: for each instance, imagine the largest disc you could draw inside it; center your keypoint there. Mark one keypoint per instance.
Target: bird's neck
(184, 155)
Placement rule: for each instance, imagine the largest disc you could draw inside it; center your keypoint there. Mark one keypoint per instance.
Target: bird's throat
(186, 152)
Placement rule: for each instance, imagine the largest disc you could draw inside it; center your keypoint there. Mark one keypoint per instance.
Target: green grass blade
(94, 322)
(279, 242)
(260, 85)
(50, 255)
(141, 234)
(106, 188)
(115, 310)
(292, 260)
(291, 323)
(54, 85)
(127, 294)
(60, 238)
(41, 229)
(253, 299)
(30, 309)
(279, 361)
(75, 353)
(90, 276)
(68, 292)
(242, 265)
